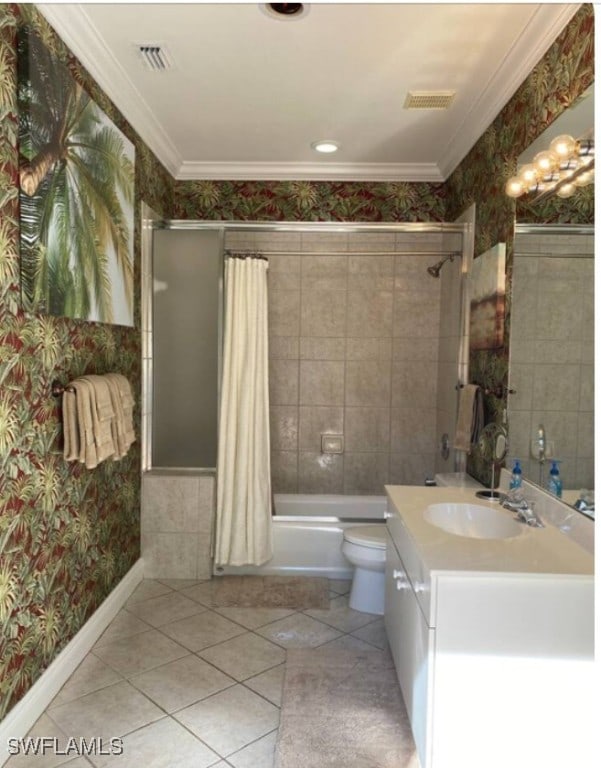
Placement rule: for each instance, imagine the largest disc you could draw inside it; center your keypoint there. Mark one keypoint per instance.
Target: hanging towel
(70, 426)
(121, 389)
(85, 425)
(97, 419)
(122, 399)
(103, 414)
(470, 418)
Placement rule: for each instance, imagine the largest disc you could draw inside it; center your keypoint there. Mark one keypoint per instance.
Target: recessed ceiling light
(326, 146)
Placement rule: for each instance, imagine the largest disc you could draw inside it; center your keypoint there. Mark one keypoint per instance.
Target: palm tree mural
(76, 177)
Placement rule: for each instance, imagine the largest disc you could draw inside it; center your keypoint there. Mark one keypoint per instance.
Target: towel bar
(57, 389)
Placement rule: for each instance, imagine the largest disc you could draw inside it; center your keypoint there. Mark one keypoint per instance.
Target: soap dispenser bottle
(555, 484)
(516, 476)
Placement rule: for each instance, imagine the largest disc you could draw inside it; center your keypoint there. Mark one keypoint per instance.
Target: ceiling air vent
(429, 99)
(154, 56)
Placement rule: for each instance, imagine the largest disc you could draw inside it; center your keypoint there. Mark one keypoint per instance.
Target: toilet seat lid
(367, 536)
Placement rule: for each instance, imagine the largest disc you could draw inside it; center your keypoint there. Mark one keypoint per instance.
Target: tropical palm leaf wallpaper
(76, 172)
(68, 535)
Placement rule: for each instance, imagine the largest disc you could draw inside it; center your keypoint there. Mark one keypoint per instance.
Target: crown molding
(79, 34)
(74, 26)
(323, 171)
(546, 23)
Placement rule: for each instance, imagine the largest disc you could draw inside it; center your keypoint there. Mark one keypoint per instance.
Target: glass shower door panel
(187, 273)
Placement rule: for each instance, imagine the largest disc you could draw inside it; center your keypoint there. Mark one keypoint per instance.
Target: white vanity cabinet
(494, 661)
(404, 619)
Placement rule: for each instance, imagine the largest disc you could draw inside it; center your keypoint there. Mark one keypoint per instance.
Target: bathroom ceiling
(246, 94)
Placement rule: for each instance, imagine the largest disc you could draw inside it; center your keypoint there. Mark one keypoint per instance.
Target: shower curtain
(243, 529)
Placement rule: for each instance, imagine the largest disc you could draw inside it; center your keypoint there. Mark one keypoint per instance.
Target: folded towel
(102, 416)
(85, 425)
(70, 426)
(125, 422)
(97, 419)
(470, 417)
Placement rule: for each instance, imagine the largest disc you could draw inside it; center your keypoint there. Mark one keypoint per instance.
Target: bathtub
(308, 531)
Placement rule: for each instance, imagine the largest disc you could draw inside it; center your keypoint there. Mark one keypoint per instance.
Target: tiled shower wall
(551, 356)
(354, 344)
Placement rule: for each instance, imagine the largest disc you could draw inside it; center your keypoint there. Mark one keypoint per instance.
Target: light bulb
(546, 162)
(514, 187)
(566, 190)
(529, 174)
(564, 146)
(584, 179)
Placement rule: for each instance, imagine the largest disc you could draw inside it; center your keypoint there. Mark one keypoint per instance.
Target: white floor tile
(260, 754)
(244, 656)
(340, 616)
(180, 683)
(181, 583)
(230, 720)
(349, 643)
(201, 630)
(164, 744)
(166, 608)
(109, 713)
(146, 589)
(298, 631)
(136, 654)
(91, 675)
(251, 618)
(269, 684)
(340, 586)
(45, 758)
(373, 633)
(125, 624)
(202, 593)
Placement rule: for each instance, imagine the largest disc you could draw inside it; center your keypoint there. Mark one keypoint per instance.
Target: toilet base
(367, 592)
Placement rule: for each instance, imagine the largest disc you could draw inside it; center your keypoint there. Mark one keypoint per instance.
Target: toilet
(365, 547)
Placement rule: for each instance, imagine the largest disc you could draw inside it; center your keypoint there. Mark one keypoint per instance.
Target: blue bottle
(555, 485)
(516, 476)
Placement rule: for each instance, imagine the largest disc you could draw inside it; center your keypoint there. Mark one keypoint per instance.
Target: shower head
(435, 269)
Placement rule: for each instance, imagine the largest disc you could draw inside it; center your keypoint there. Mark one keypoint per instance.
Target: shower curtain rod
(235, 254)
(266, 253)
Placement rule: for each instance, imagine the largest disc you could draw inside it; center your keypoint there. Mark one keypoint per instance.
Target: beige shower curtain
(243, 531)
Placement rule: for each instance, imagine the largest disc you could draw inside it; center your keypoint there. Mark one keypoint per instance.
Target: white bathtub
(307, 534)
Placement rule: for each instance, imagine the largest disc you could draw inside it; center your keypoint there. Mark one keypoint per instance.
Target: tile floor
(188, 686)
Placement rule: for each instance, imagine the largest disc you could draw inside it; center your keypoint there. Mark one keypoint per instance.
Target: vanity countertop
(544, 551)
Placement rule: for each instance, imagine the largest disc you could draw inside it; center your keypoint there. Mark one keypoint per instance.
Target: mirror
(551, 351)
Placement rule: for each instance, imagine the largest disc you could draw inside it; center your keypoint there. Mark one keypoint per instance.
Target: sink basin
(473, 521)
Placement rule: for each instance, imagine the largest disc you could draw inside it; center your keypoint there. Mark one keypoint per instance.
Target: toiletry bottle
(516, 476)
(555, 484)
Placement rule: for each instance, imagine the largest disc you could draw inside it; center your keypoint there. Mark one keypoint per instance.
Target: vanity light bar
(567, 164)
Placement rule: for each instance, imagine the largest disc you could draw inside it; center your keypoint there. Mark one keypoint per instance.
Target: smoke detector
(429, 99)
(154, 56)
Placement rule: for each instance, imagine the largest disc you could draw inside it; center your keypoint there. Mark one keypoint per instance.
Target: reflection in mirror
(492, 446)
(551, 414)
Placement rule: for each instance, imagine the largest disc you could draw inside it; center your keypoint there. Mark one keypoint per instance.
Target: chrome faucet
(524, 512)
